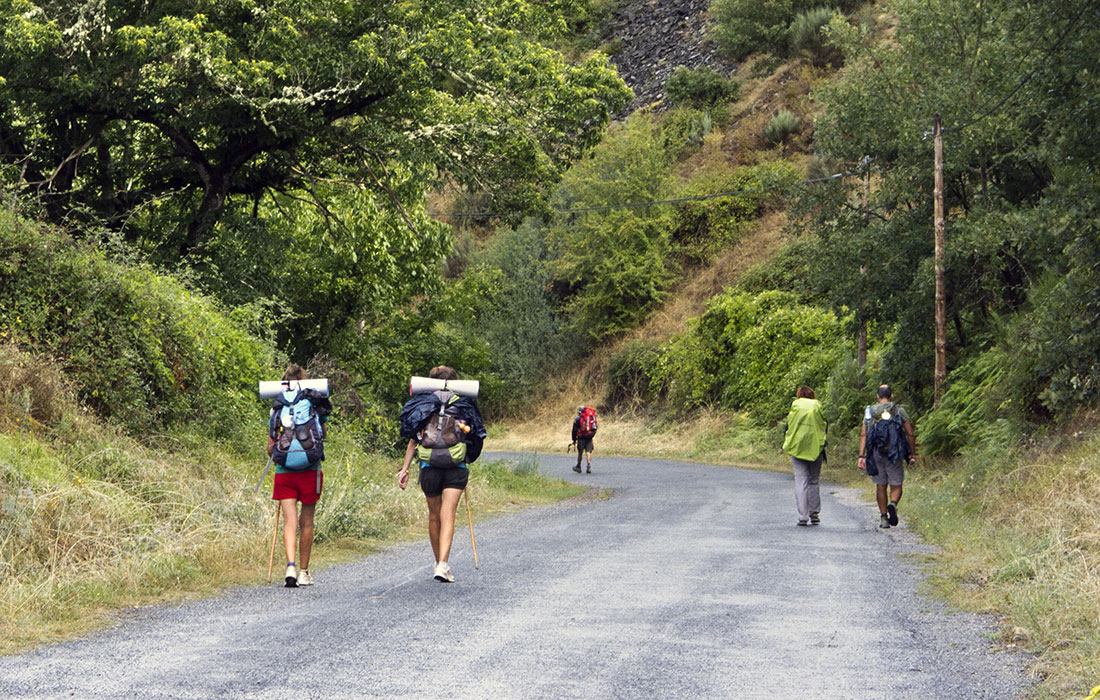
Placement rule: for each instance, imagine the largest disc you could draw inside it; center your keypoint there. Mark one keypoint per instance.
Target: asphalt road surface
(689, 581)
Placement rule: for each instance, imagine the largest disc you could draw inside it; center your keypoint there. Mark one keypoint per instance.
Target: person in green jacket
(805, 443)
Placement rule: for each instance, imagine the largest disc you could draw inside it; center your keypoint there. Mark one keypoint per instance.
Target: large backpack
(443, 438)
(587, 423)
(296, 429)
(886, 442)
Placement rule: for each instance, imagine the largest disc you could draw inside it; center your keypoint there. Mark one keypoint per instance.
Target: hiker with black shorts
(445, 434)
(296, 443)
(584, 429)
(886, 445)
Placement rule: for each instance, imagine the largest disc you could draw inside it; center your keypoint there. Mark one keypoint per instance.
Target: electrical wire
(656, 202)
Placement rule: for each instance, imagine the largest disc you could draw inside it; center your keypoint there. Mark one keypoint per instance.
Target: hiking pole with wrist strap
(470, 517)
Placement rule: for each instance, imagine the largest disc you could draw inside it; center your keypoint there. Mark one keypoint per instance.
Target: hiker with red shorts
(295, 441)
(584, 429)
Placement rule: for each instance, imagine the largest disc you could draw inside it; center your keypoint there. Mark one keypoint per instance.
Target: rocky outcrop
(655, 37)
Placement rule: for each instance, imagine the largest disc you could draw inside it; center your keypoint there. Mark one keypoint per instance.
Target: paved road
(690, 581)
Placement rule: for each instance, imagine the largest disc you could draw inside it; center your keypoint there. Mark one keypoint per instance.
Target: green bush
(781, 126)
(700, 87)
(750, 353)
(613, 265)
(742, 27)
(806, 36)
(975, 407)
(139, 346)
(630, 373)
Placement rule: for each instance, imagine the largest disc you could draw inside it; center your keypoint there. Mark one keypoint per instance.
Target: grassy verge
(1019, 537)
(92, 525)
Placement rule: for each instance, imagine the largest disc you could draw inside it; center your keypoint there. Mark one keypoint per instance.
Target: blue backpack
(886, 442)
(295, 426)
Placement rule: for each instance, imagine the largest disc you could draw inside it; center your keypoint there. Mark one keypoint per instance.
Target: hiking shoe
(803, 523)
(443, 572)
(884, 522)
(291, 576)
(815, 519)
(577, 469)
(892, 513)
(304, 578)
(589, 470)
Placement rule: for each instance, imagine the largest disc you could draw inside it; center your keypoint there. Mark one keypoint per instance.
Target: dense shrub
(744, 26)
(614, 263)
(781, 126)
(806, 36)
(700, 87)
(750, 352)
(140, 347)
(630, 374)
(705, 225)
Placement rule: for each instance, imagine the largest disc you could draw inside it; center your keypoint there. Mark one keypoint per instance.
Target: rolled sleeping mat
(269, 390)
(462, 387)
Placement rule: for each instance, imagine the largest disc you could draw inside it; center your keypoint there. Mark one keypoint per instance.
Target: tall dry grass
(92, 521)
(1020, 539)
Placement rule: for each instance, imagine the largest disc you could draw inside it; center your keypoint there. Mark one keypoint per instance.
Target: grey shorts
(892, 473)
(584, 444)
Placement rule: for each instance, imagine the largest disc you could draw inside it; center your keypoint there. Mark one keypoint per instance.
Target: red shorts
(299, 485)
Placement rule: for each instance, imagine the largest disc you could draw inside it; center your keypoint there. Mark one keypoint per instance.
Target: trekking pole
(274, 536)
(470, 517)
(264, 475)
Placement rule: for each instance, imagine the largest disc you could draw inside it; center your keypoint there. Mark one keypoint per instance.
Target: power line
(656, 202)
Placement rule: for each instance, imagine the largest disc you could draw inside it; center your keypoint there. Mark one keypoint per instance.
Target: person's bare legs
(305, 545)
(435, 503)
(880, 496)
(448, 507)
(289, 507)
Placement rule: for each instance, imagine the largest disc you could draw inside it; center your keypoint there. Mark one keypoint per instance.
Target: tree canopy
(245, 133)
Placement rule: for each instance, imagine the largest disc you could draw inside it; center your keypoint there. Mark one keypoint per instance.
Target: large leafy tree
(1015, 84)
(284, 147)
(108, 106)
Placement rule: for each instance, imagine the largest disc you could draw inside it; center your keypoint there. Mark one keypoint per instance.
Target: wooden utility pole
(861, 342)
(941, 305)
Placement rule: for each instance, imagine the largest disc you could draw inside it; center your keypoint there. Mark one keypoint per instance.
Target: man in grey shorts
(891, 472)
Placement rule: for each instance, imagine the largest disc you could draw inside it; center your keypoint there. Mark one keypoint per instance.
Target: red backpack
(588, 422)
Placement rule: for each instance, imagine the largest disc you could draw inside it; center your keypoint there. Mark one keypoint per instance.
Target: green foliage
(742, 27)
(700, 87)
(192, 107)
(630, 373)
(707, 225)
(751, 352)
(139, 347)
(781, 126)
(614, 262)
(976, 407)
(806, 36)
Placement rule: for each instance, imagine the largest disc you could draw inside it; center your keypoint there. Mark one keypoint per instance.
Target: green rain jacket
(806, 427)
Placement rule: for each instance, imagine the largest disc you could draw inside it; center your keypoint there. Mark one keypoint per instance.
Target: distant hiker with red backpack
(584, 429)
(886, 445)
(296, 435)
(445, 434)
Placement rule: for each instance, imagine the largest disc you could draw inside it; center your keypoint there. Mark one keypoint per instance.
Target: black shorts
(434, 479)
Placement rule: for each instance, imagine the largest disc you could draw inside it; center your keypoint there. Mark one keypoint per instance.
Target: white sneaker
(291, 576)
(304, 578)
(443, 572)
